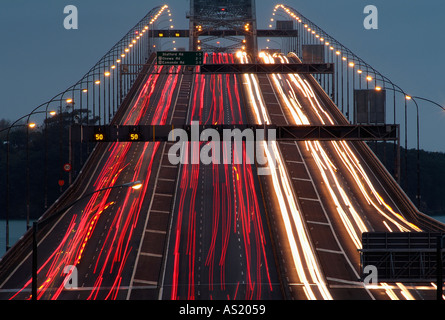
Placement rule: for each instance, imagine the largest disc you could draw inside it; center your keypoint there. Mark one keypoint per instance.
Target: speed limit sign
(67, 167)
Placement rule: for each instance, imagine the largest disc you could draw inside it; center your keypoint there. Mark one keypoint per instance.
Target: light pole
(136, 185)
(337, 72)
(343, 59)
(428, 100)
(32, 125)
(352, 66)
(418, 150)
(52, 113)
(68, 101)
(414, 98)
(439, 267)
(410, 98)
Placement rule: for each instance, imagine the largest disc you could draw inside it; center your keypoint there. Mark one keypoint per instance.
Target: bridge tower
(223, 25)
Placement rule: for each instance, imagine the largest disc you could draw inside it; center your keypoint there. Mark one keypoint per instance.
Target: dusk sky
(39, 58)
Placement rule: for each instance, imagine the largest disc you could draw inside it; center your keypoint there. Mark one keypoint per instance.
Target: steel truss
(214, 17)
(282, 133)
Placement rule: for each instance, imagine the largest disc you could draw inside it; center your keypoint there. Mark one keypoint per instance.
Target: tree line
(36, 160)
(432, 175)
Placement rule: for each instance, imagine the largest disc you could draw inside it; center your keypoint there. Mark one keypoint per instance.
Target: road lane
(219, 246)
(102, 232)
(339, 197)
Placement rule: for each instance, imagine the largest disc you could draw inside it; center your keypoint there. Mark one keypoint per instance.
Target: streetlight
(352, 66)
(69, 103)
(359, 72)
(428, 100)
(410, 98)
(51, 113)
(337, 53)
(107, 75)
(32, 125)
(343, 59)
(407, 97)
(418, 150)
(136, 185)
(439, 267)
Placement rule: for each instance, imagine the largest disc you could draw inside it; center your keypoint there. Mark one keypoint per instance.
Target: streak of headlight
(405, 291)
(348, 158)
(288, 207)
(389, 291)
(354, 167)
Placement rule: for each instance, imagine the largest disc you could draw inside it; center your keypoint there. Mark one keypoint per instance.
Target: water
(440, 218)
(17, 229)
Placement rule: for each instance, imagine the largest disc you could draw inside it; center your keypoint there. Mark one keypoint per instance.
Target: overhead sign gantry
(180, 58)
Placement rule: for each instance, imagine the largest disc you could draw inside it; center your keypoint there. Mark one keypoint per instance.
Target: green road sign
(180, 58)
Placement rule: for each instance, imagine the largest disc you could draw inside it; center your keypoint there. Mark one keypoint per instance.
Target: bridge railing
(93, 99)
(352, 74)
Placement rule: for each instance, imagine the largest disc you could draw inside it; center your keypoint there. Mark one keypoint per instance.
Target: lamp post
(107, 75)
(343, 59)
(410, 98)
(68, 101)
(32, 125)
(352, 66)
(418, 149)
(414, 98)
(337, 53)
(428, 100)
(359, 72)
(52, 113)
(439, 267)
(136, 185)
